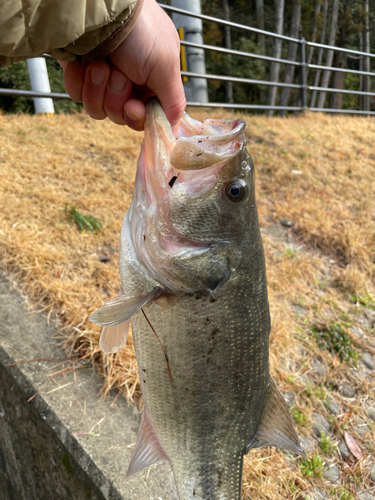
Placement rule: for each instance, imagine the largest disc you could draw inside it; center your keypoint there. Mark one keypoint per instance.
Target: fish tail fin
(276, 427)
(148, 450)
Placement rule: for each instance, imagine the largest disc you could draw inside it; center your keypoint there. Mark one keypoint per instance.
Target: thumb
(165, 81)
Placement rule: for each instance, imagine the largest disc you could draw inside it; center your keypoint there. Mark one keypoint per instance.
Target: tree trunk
(338, 81)
(289, 73)
(361, 69)
(228, 44)
(275, 67)
(331, 41)
(313, 37)
(320, 54)
(260, 22)
(366, 62)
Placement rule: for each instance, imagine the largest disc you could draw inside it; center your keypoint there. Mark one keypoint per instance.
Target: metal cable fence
(302, 86)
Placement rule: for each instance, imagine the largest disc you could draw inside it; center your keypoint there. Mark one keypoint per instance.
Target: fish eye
(236, 190)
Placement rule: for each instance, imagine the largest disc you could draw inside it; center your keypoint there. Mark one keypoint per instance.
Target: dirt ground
(316, 198)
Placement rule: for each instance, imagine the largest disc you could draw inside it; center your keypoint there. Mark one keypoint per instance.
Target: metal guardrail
(32, 93)
(303, 87)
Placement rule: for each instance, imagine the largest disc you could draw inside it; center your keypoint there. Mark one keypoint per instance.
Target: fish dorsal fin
(276, 427)
(113, 338)
(147, 451)
(122, 307)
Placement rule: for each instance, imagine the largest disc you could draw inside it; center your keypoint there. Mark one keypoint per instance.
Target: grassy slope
(314, 170)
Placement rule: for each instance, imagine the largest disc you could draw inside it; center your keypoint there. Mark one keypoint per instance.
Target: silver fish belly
(195, 290)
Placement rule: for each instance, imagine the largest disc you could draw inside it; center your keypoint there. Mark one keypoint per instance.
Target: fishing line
(165, 354)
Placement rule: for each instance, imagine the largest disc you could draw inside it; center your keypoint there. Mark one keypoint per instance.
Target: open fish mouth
(191, 173)
(198, 144)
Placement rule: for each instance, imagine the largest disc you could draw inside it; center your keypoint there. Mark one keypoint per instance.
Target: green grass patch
(366, 300)
(299, 417)
(84, 222)
(342, 494)
(313, 467)
(333, 337)
(326, 444)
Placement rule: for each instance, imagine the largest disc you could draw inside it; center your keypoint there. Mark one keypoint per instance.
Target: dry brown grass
(324, 274)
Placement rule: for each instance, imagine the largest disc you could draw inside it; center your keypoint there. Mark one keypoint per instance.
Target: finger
(134, 114)
(94, 87)
(164, 78)
(169, 90)
(74, 76)
(118, 91)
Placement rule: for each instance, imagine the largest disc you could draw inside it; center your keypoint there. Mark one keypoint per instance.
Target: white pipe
(40, 83)
(195, 88)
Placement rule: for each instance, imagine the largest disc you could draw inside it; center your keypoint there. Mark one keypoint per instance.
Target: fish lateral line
(165, 354)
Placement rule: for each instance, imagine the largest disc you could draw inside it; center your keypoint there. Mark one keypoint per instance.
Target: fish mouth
(199, 144)
(173, 171)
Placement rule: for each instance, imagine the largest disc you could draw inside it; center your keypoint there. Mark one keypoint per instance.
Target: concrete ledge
(45, 448)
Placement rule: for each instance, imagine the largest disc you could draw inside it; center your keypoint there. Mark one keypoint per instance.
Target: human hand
(147, 62)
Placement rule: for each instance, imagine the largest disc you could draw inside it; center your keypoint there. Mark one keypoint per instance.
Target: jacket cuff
(114, 40)
(98, 44)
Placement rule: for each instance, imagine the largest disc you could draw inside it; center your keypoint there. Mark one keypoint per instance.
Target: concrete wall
(46, 449)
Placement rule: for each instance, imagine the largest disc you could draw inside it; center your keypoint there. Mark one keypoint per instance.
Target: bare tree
(338, 81)
(313, 36)
(366, 62)
(331, 41)
(228, 44)
(275, 67)
(320, 54)
(260, 22)
(289, 73)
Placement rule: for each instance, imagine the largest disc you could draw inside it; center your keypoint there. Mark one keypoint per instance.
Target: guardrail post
(40, 83)
(303, 73)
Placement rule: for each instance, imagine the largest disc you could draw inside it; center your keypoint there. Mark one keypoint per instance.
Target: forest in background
(347, 23)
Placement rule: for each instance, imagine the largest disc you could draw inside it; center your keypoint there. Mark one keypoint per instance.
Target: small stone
(371, 412)
(319, 368)
(320, 425)
(371, 473)
(332, 474)
(301, 350)
(332, 406)
(347, 390)
(319, 494)
(289, 398)
(358, 332)
(364, 322)
(361, 428)
(286, 223)
(307, 444)
(299, 310)
(304, 379)
(343, 449)
(368, 360)
(365, 495)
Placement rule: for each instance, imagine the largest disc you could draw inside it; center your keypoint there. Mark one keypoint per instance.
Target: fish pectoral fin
(113, 338)
(147, 451)
(122, 307)
(276, 428)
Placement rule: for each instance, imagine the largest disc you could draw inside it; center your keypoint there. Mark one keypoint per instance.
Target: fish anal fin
(147, 451)
(276, 427)
(122, 307)
(113, 338)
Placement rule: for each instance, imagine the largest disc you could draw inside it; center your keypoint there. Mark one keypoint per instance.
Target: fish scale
(215, 397)
(194, 287)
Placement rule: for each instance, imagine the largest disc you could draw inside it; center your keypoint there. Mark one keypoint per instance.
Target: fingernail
(117, 82)
(132, 117)
(97, 76)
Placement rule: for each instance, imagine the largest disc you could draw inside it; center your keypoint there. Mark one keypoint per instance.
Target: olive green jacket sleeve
(66, 29)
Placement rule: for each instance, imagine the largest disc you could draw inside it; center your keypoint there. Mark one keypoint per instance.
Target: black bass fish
(195, 290)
